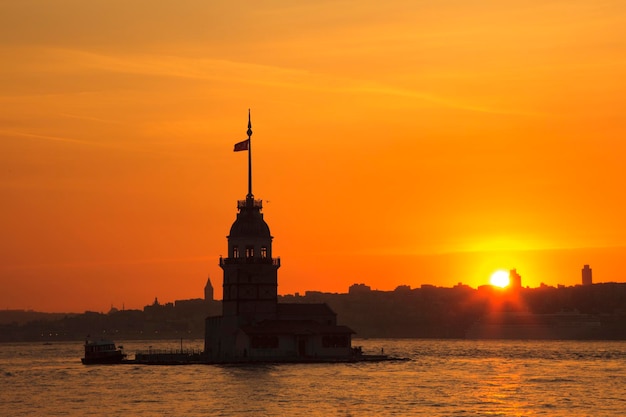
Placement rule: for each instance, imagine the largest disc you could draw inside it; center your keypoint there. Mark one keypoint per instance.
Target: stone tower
(253, 325)
(250, 289)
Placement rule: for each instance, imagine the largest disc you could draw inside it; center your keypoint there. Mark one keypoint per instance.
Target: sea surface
(442, 378)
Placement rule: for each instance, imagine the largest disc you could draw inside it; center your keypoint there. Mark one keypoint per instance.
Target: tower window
(249, 251)
(263, 252)
(235, 252)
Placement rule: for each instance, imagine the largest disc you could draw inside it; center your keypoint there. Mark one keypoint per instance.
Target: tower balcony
(255, 260)
(249, 203)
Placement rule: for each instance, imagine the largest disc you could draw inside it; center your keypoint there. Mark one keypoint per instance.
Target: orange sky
(410, 142)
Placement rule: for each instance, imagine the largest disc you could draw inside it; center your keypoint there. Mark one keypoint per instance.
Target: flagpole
(250, 196)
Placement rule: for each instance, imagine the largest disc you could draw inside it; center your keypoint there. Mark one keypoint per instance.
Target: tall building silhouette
(253, 325)
(208, 290)
(586, 271)
(515, 279)
(250, 272)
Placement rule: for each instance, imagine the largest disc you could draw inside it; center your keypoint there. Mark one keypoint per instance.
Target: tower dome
(249, 222)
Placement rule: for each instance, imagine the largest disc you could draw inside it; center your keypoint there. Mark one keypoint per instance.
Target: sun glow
(499, 278)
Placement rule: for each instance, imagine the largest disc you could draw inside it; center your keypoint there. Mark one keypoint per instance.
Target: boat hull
(100, 360)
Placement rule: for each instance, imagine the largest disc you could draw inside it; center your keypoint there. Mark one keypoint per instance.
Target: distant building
(359, 289)
(208, 290)
(515, 279)
(158, 311)
(253, 326)
(587, 280)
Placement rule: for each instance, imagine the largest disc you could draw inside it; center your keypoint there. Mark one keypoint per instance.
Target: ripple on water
(444, 378)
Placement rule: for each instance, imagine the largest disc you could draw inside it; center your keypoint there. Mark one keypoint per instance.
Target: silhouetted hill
(582, 312)
(25, 316)
(156, 321)
(596, 312)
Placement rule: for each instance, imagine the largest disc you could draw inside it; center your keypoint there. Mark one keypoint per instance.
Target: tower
(587, 280)
(208, 290)
(253, 325)
(250, 288)
(515, 279)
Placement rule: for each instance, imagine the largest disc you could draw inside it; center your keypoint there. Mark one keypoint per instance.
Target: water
(444, 378)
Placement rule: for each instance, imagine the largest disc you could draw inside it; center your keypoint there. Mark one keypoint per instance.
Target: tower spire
(250, 196)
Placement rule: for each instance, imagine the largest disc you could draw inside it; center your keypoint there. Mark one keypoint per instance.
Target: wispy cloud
(72, 61)
(90, 118)
(102, 263)
(122, 146)
(440, 100)
(49, 138)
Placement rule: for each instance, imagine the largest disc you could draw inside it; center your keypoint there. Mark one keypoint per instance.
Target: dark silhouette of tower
(208, 290)
(253, 325)
(250, 273)
(587, 279)
(515, 279)
(250, 288)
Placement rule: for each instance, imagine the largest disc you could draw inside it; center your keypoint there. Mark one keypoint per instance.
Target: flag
(242, 146)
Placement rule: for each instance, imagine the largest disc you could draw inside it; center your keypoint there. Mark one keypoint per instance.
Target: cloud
(55, 61)
(49, 138)
(102, 263)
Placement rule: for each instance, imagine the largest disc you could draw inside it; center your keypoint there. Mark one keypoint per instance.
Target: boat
(102, 352)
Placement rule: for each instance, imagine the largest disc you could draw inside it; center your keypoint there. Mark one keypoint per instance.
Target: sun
(499, 278)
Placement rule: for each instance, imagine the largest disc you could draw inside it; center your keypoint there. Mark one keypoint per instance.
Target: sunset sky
(399, 142)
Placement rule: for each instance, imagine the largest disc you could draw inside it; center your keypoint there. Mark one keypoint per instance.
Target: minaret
(250, 288)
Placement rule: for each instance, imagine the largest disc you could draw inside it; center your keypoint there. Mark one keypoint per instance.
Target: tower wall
(250, 288)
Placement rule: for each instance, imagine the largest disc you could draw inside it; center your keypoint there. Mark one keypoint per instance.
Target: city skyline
(395, 144)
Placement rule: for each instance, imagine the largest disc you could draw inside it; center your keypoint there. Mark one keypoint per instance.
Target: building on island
(253, 325)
